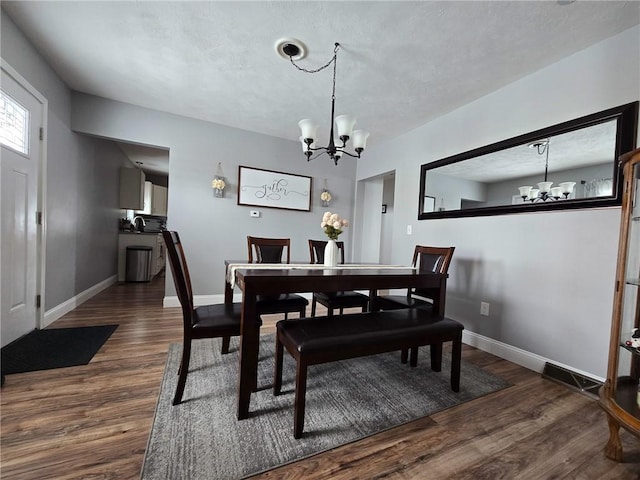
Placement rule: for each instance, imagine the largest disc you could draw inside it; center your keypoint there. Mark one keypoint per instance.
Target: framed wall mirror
(569, 165)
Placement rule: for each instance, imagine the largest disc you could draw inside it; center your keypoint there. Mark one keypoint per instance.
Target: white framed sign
(268, 188)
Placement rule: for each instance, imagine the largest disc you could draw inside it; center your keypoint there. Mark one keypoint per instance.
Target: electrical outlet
(409, 229)
(484, 309)
(254, 213)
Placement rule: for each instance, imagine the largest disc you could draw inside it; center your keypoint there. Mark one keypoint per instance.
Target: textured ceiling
(401, 64)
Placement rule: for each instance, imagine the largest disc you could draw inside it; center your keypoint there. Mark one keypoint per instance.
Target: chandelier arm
(316, 156)
(344, 152)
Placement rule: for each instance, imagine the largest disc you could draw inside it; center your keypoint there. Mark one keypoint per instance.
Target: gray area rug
(346, 401)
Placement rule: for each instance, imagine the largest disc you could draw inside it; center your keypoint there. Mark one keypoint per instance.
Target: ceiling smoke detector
(291, 47)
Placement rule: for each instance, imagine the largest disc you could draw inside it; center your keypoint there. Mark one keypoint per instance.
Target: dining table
(255, 280)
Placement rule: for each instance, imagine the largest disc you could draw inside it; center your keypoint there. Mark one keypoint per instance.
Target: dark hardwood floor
(93, 421)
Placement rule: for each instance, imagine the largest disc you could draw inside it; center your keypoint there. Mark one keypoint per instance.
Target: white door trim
(42, 189)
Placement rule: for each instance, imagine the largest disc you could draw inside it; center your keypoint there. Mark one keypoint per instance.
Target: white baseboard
(58, 311)
(516, 355)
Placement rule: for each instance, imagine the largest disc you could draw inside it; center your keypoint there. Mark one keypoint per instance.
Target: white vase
(331, 254)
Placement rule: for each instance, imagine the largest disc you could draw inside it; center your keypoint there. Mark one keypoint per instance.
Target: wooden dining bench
(312, 341)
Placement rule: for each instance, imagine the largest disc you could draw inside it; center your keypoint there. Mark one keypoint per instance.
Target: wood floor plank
(93, 421)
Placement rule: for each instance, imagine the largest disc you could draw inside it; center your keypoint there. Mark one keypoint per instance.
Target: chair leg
(313, 306)
(436, 356)
(456, 356)
(301, 391)
(414, 356)
(225, 345)
(184, 370)
(303, 312)
(277, 373)
(404, 355)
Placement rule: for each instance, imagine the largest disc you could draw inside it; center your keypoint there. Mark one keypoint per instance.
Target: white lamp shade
(360, 139)
(525, 191)
(556, 192)
(567, 187)
(533, 193)
(545, 186)
(345, 124)
(308, 128)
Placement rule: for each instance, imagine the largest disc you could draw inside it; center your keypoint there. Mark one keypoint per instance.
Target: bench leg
(414, 356)
(404, 355)
(436, 356)
(277, 372)
(456, 357)
(301, 391)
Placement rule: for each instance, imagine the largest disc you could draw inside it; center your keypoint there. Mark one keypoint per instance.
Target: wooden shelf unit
(620, 396)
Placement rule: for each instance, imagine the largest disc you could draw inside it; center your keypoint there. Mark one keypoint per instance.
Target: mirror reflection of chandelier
(545, 191)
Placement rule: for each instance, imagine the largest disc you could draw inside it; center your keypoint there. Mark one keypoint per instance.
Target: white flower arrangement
(325, 196)
(218, 184)
(332, 225)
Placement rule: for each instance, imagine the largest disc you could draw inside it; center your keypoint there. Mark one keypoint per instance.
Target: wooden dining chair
(427, 260)
(275, 250)
(206, 321)
(334, 300)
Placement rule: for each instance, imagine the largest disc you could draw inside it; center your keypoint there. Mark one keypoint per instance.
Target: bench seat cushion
(365, 332)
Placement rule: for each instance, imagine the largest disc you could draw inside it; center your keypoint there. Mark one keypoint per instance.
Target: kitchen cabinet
(146, 204)
(159, 201)
(132, 182)
(155, 200)
(153, 240)
(619, 396)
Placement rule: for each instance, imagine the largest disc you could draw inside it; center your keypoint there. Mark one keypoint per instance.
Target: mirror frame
(627, 124)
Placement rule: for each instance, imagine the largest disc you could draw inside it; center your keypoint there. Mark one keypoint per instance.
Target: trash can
(138, 267)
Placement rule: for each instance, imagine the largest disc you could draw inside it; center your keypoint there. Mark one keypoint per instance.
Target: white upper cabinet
(159, 201)
(148, 193)
(132, 182)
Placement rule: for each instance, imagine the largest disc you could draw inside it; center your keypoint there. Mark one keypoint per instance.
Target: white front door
(21, 115)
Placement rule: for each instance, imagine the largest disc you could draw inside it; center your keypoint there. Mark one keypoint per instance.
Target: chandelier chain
(319, 69)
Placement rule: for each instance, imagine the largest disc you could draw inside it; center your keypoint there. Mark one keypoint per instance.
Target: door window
(14, 124)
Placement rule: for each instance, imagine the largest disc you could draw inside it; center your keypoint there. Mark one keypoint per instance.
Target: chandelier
(344, 123)
(545, 191)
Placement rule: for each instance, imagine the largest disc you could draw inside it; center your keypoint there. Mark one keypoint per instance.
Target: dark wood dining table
(298, 279)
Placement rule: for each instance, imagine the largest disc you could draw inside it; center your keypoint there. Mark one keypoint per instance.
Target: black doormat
(54, 348)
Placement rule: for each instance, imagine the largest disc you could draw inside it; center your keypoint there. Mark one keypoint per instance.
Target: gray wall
(214, 229)
(81, 214)
(550, 294)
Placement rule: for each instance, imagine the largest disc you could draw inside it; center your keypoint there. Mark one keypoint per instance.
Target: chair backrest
(180, 273)
(269, 250)
(316, 250)
(432, 259)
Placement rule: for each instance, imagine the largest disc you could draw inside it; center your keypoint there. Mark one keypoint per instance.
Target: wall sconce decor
(218, 182)
(325, 196)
